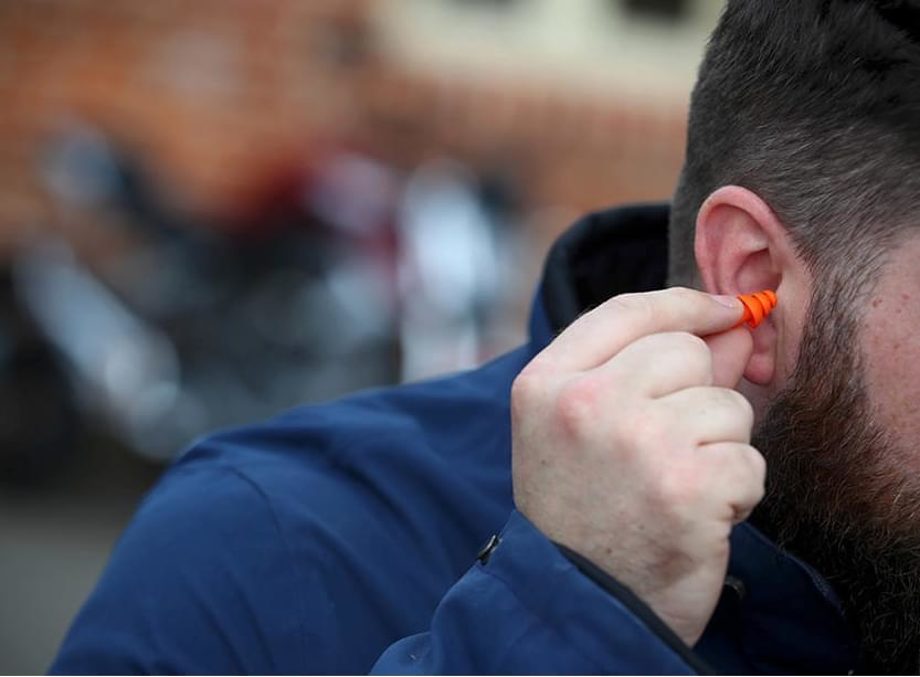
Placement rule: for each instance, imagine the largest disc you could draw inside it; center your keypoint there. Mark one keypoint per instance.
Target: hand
(631, 448)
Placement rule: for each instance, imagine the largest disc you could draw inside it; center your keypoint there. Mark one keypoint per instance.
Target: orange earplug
(756, 307)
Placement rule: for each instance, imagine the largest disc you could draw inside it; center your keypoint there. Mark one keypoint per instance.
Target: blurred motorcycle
(188, 327)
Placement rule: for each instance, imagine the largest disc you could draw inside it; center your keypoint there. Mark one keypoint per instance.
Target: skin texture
(891, 336)
(606, 447)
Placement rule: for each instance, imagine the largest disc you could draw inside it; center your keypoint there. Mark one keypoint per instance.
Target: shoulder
(415, 438)
(264, 547)
(190, 585)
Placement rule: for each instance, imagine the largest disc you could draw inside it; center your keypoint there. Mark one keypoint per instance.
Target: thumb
(731, 351)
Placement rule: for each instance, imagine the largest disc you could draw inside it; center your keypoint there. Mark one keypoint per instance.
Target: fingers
(706, 415)
(738, 472)
(602, 333)
(731, 352)
(660, 364)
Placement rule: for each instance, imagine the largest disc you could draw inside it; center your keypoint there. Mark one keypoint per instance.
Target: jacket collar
(603, 254)
(780, 613)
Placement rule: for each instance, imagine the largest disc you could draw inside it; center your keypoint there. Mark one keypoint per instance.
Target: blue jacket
(344, 538)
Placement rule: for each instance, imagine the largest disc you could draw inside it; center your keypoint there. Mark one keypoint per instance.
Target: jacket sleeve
(528, 607)
(184, 593)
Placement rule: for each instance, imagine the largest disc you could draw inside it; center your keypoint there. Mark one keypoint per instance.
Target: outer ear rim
(733, 197)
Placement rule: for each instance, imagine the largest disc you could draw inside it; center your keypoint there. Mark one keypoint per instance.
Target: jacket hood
(604, 254)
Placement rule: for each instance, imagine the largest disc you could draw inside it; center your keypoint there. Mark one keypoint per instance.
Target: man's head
(813, 105)
(803, 175)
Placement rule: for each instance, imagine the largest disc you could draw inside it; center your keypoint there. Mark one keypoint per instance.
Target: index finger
(600, 334)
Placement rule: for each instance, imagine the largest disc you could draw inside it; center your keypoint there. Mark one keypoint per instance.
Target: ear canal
(756, 307)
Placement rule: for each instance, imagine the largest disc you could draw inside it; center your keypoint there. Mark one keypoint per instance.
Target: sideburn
(836, 495)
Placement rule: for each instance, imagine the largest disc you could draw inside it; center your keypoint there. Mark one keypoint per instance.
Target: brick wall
(214, 93)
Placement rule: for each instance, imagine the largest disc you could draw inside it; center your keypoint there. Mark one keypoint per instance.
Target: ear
(741, 247)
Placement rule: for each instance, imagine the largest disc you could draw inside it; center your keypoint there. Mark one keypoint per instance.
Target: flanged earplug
(756, 307)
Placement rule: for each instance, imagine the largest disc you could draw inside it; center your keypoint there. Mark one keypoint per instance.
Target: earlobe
(740, 248)
(762, 365)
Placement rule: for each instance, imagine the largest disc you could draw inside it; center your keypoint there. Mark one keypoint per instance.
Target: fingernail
(728, 301)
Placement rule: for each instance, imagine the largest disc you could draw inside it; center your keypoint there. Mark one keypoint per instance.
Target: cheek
(892, 353)
(792, 326)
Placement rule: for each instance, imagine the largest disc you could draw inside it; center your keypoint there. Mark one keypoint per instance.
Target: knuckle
(749, 471)
(761, 492)
(527, 389)
(759, 465)
(533, 377)
(729, 399)
(637, 304)
(683, 293)
(576, 406)
(521, 390)
(524, 385)
(740, 404)
(684, 297)
(692, 345)
(693, 354)
(747, 408)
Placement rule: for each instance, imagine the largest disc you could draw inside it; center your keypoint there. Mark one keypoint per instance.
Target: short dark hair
(815, 106)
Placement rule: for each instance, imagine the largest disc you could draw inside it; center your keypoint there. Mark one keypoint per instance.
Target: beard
(840, 494)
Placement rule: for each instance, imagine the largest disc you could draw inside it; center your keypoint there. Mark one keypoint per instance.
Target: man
(343, 538)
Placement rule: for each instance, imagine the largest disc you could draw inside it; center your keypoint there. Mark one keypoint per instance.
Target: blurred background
(212, 210)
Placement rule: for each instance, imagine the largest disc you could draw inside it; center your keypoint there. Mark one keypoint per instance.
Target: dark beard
(839, 494)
